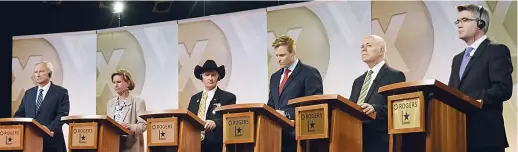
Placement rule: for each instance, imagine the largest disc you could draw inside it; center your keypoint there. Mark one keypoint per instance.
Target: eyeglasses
(464, 20)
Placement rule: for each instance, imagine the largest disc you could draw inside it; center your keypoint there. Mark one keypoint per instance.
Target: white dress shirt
(375, 70)
(210, 95)
(476, 44)
(45, 90)
(291, 67)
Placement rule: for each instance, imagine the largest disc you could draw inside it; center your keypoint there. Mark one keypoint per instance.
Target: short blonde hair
(284, 41)
(126, 76)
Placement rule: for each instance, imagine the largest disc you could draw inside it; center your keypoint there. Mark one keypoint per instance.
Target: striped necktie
(365, 86)
(39, 100)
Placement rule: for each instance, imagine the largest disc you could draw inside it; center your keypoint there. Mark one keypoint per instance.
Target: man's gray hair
(478, 11)
(48, 65)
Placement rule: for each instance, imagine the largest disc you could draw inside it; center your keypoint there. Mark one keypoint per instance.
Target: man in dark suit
(46, 103)
(483, 72)
(293, 80)
(205, 102)
(365, 93)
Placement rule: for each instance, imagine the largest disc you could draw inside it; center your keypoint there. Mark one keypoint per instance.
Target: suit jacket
(223, 98)
(54, 106)
(304, 81)
(130, 115)
(375, 133)
(488, 77)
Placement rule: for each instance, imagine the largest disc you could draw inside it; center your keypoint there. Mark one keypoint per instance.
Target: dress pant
(289, 143)
(487, 149)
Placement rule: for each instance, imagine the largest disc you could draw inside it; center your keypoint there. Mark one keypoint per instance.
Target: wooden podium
(328, 123)
(89, 133)
(427, 116)
(177, 130)
(22, 135)
(253, 127)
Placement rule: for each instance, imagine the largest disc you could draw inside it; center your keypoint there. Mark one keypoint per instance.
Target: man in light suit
(365, 93)
(46, 103)
(483, 72)
(205, 102)
(295, 79)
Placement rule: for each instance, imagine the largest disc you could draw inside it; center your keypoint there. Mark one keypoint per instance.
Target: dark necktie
(39, 100)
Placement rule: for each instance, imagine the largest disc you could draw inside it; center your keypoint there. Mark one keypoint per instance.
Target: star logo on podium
(406, 115)
(238, 131)
(82, 138)
(9, 140)
(311, 127)
(161, 135)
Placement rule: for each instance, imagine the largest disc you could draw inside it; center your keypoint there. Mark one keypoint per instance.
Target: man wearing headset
(483, 72)
(46, 103)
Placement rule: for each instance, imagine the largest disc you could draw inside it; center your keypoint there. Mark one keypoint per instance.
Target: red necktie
(284, 79)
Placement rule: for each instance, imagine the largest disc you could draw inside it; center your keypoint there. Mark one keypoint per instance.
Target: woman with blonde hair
(125, 109)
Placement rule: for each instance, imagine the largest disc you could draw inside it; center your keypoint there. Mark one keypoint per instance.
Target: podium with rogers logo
(427, 116)
(173, 130)
(328, 123)
(253, 127)
(22, 135)
(97, 133)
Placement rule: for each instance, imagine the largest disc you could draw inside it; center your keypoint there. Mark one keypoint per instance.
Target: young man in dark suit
(205, 102)
(483, 72)
(365, 93)
(46, 103)
(294, 79)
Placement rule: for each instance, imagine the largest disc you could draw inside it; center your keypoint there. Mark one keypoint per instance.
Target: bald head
(377, 40)
(373, 50)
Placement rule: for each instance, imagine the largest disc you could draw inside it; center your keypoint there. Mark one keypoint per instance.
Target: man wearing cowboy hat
(204, 103)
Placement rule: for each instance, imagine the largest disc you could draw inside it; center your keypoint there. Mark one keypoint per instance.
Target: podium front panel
(11, 137)
(238, 128)
(83, 135)
(162, 131)
(406, 113)
(312, 122)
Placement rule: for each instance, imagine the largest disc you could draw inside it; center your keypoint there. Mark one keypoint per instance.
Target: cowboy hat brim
(198, 71)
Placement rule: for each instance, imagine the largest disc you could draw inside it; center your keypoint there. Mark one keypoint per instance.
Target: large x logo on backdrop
(106, 69)
(390, 36)
(26, 53)
(408, 31)
(308, 31)
(115, 50)
(22, 75)
(293, 33)
(188, 62)
(503, 26)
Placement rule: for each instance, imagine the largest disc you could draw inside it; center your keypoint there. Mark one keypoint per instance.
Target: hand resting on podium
(51, 132)
(281, 112)
(125, 125)
(367, 108)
